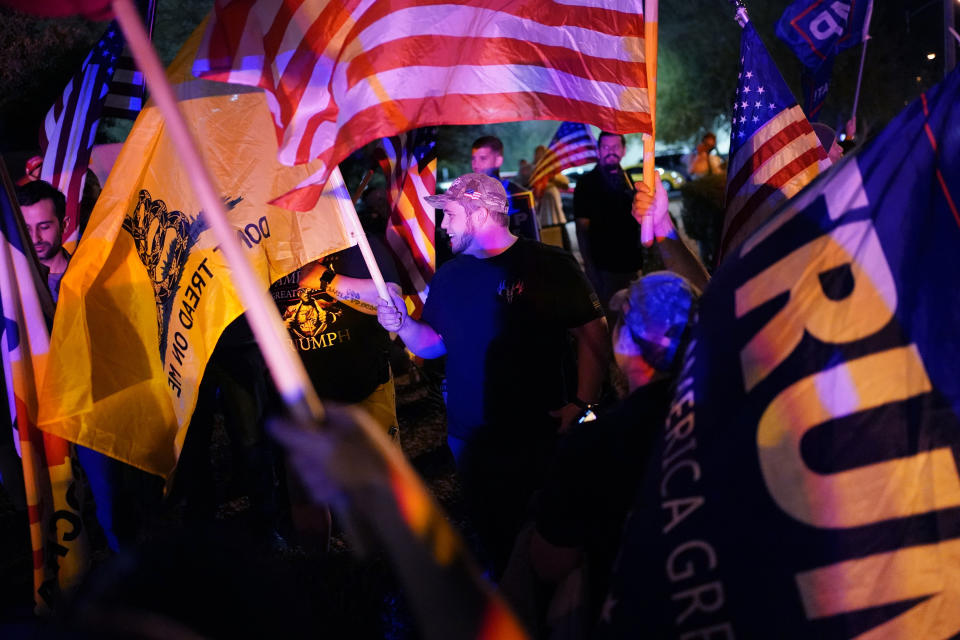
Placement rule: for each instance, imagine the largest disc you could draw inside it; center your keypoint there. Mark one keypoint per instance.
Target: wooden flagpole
(287, 369)
(364, 244)
(650, 176)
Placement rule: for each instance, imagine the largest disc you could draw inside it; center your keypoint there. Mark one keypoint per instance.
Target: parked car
(675, 162)
(671, 179)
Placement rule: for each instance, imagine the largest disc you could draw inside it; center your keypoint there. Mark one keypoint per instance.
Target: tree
(39, 57)
(699, 52)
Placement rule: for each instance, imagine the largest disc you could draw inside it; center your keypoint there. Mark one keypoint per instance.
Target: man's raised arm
(677, 257)
(358, 293)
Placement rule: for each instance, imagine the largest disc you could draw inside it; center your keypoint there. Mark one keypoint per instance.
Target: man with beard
(119, 491)
(502, 311)
(486, 156)
(608, 235)
(44, 212)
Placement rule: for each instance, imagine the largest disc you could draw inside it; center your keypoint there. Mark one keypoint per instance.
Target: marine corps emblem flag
(148, 292)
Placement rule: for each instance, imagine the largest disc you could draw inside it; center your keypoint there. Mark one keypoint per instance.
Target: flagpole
(949, 48)
(287, 370)
(863, 58)
(650, 18)
(364, 244)
(741, 15)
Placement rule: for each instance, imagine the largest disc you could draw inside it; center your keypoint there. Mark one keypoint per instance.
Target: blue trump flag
(817, 31)
(806, 483)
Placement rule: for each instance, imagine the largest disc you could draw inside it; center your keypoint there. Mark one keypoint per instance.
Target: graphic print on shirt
(510, 290)
(313, 319)
(312, 314)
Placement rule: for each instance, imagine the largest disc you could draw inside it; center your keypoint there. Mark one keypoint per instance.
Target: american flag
(409, 161)
(60, 551)
(340, 75)
(773, 149)
(572, 146)
(127, 88)
(71, 124)
(125, 97)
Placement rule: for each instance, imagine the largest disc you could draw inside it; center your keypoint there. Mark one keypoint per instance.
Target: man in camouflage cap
(502, 311)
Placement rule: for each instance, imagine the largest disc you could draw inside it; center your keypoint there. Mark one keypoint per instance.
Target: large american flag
(71, 124)
(773, 150)
(572, 146)
(341, 74)
(409, 161)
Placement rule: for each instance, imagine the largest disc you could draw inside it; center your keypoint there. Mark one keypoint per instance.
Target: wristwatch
(582, 404)
(588, 410)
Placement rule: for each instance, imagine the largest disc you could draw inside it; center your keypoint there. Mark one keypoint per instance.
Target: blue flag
(817, 31)
(815, 84)
(806, 482)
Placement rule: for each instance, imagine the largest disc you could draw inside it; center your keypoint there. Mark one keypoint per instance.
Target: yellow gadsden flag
(148, 292)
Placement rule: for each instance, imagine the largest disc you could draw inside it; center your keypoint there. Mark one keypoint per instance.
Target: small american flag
(409, 161)
(71, 124)
(572, 146)
(341, 74)
(773, 150)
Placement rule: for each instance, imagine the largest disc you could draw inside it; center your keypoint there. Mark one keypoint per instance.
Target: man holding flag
(44, 210)
(329, 308)
(828, 449)
(57, 534)
(150, 276)
(501, 310)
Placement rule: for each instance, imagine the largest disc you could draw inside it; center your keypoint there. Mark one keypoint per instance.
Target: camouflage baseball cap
(476, 187)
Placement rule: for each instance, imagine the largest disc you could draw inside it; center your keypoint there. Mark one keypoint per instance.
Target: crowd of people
(533, 345)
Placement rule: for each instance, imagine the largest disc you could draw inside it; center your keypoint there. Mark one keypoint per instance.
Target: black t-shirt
(614, 234)
(504, 323)
(594, 479)
(599, 465)
(343, 350)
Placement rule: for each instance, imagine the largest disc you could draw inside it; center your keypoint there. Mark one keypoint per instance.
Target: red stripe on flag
(933, 144)
(771, 186)
(408, 52)
(769, 149)
(542, 12)
(411, 229)
(469, 109)
(946, 194)
(424, 220)
(229, 22)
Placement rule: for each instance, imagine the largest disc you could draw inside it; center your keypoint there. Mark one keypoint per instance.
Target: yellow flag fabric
(148, 293)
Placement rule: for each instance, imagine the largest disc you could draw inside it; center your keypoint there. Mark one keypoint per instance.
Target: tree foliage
(699, 53)
(39, 57)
